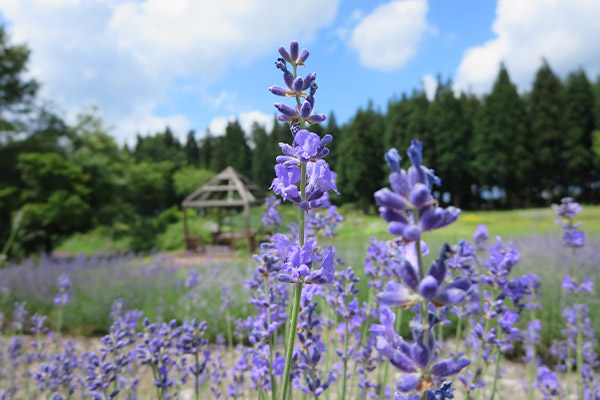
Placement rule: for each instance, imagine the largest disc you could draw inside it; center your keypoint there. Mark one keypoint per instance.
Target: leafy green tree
(101, 159)
(545, 113)
(578, 122)
(187, 179)
(150, 187)
(55, 199)
(16, 91)
(502, 158)
(360, 169)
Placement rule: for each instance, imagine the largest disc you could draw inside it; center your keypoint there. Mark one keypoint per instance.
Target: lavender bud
(297, 84)
(303, 56)
(294, 50)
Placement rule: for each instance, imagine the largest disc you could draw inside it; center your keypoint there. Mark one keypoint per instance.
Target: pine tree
(595, 178)
(232, 149)
(262, 162)
(577, 137)
(545, 114)
(360, 165)
(192, 152)
(449, 130)
(396, 124)
(418, 126)
(333, 130)
(207, 147)
(502, 158)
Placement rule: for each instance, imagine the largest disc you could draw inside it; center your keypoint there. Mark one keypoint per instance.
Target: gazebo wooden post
(248, 235)
(185, 229)
(219, 218)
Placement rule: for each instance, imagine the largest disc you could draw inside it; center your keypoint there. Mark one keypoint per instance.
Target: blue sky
(197, 64)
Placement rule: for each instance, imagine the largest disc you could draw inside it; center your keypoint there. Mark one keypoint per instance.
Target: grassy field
(155, 283)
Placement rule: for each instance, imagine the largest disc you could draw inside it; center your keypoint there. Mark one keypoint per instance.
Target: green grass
(99, 240)
(533, 230)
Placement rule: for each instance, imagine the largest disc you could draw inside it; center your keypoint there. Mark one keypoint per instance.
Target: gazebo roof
(240, 192)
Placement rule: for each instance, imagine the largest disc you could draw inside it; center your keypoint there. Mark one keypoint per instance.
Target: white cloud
(122, 55)
(565, 32)
(246, 119)
(387, 38)
(429, 86)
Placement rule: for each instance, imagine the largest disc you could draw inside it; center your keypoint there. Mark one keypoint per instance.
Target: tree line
(500, 150)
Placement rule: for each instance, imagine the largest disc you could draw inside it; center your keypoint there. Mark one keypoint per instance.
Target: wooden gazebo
(227, 189)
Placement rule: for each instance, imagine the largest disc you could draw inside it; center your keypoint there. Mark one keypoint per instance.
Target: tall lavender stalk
(302, 163)
(411, 210)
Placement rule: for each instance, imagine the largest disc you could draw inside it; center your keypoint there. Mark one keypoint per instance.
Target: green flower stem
(59, 319)
(196, 378)
(362, 339)
(327, 358)
(579, 352)
(290, 344)
(399, 320)
(271, 346)
(346, 340)
(569, 350)
(497, 372)
(480, 352)
(458, 334)
(531, 367)
(384, 381)
(424, 310)
(229, 335)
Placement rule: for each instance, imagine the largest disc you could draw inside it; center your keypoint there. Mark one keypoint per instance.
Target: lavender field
(413, 304)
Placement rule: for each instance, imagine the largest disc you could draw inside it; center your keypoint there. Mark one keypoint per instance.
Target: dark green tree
(545, 114)
(206, 149)
(450, 131)
(334, 130)
(396, 124)
(502, 158)
(418, 126)
(578, 122)
(232, 150)
(55, 200)
(16, 91)
(262, 160)
(160, 147)
(360, 169)
(98, 155)
(150, 187)
(191, 149)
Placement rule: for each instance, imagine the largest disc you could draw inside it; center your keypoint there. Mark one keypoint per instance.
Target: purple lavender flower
(63, 283)
(295, 88)
(547, 383)
(568, 208)
(409, 207)
(587, 286)
(480, 236)
(431, 288)
(271, 216)
(572, 235)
